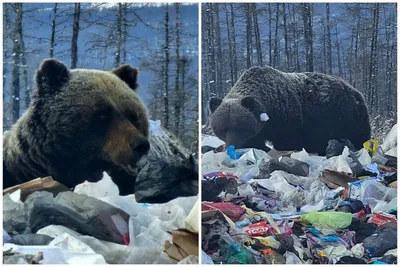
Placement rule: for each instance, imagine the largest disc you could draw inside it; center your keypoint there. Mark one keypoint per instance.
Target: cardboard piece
(39, 184)
(334, 179)
(184, 244)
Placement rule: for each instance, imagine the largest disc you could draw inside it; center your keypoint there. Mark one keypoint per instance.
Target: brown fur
(80, 123)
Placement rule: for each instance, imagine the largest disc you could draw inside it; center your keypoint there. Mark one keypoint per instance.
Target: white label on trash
(264, 117)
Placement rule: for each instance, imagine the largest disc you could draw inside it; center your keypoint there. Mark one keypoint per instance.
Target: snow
(155, 128)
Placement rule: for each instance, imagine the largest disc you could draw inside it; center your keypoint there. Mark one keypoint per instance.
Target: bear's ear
(250, 103)
(128, 74)
(214, 103)
(51, 76)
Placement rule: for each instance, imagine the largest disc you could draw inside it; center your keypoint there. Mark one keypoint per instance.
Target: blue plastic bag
(232, 153)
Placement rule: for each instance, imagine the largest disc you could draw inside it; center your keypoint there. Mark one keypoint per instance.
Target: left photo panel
(100, 133)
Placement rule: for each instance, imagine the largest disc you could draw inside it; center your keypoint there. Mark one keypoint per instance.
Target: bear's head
(235, 120)
(88, 121)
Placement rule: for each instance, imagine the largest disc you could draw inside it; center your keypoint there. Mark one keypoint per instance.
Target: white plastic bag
(59, 255)
(341, 163)
(372, 192)
(390, 140)
(363, 157)
(205, 259)
(105, 187)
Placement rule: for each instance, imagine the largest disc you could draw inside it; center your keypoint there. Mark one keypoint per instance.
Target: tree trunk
(75, 33)
(218, 63)
(25, 71)
(53, 31)
(257, 35)
(117, 59)
(338, 54)
(329, 39)
(270, 33)
(232, 77)
(249, 41)
(15, 73)
(373, 96)
(287, 54)
(125, 32)
(296, 39)
(276, 50)
(166, 68)
(307, 21)
(183, 97)
(178, 94)
(6, 27)
(235, 70)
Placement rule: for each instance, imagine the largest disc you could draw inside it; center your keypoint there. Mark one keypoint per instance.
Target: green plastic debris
(335, 220)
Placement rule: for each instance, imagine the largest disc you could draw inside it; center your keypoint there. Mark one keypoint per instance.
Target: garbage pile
(94, 225)
(297, 208)
(44, 222)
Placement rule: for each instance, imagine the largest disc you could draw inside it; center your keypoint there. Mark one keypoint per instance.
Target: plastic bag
(205, 259)
(230, 151)
(291, 258)
(334, 148)
(59, 255)
(341, 163)
(335, 220)
(363, 157)
(154, 180)
(289, 165)
(372, 192)
(105, 187)
(380, 242)
(30, 240)
(390, 139)
(318, 191)
(85, 214)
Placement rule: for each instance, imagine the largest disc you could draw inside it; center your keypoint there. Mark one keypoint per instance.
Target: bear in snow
(291, 110)
(80, 123)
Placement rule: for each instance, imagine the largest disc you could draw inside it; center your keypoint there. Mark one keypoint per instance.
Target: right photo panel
(299, 133)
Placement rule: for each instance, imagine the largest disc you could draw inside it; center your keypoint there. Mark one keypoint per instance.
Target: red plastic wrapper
(381, 218)
(257, 229)
(234, 212)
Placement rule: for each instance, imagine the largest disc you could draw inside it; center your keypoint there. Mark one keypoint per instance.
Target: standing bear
(80, 123)
(291, 110)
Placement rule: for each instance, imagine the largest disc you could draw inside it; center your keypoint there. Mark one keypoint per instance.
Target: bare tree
(276, 53)
(287, 53)
(372, 94)
(117, 59)
(235, 70)
(257, 34)
(249, 49)
(53, 31)
(308, 35)
(75, 33)
(166, 68)
(231, 67)
(178, 89)
(15, 73)
(328, 33)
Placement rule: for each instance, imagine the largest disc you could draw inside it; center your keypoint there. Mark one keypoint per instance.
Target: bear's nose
(141, 147)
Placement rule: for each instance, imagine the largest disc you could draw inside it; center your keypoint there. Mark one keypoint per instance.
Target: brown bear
(80, 123)
(291, 110)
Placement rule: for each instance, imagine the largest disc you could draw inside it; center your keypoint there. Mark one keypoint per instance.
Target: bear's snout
(141, 147)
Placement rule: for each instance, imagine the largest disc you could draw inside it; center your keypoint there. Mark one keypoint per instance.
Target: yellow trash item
(372, 145)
